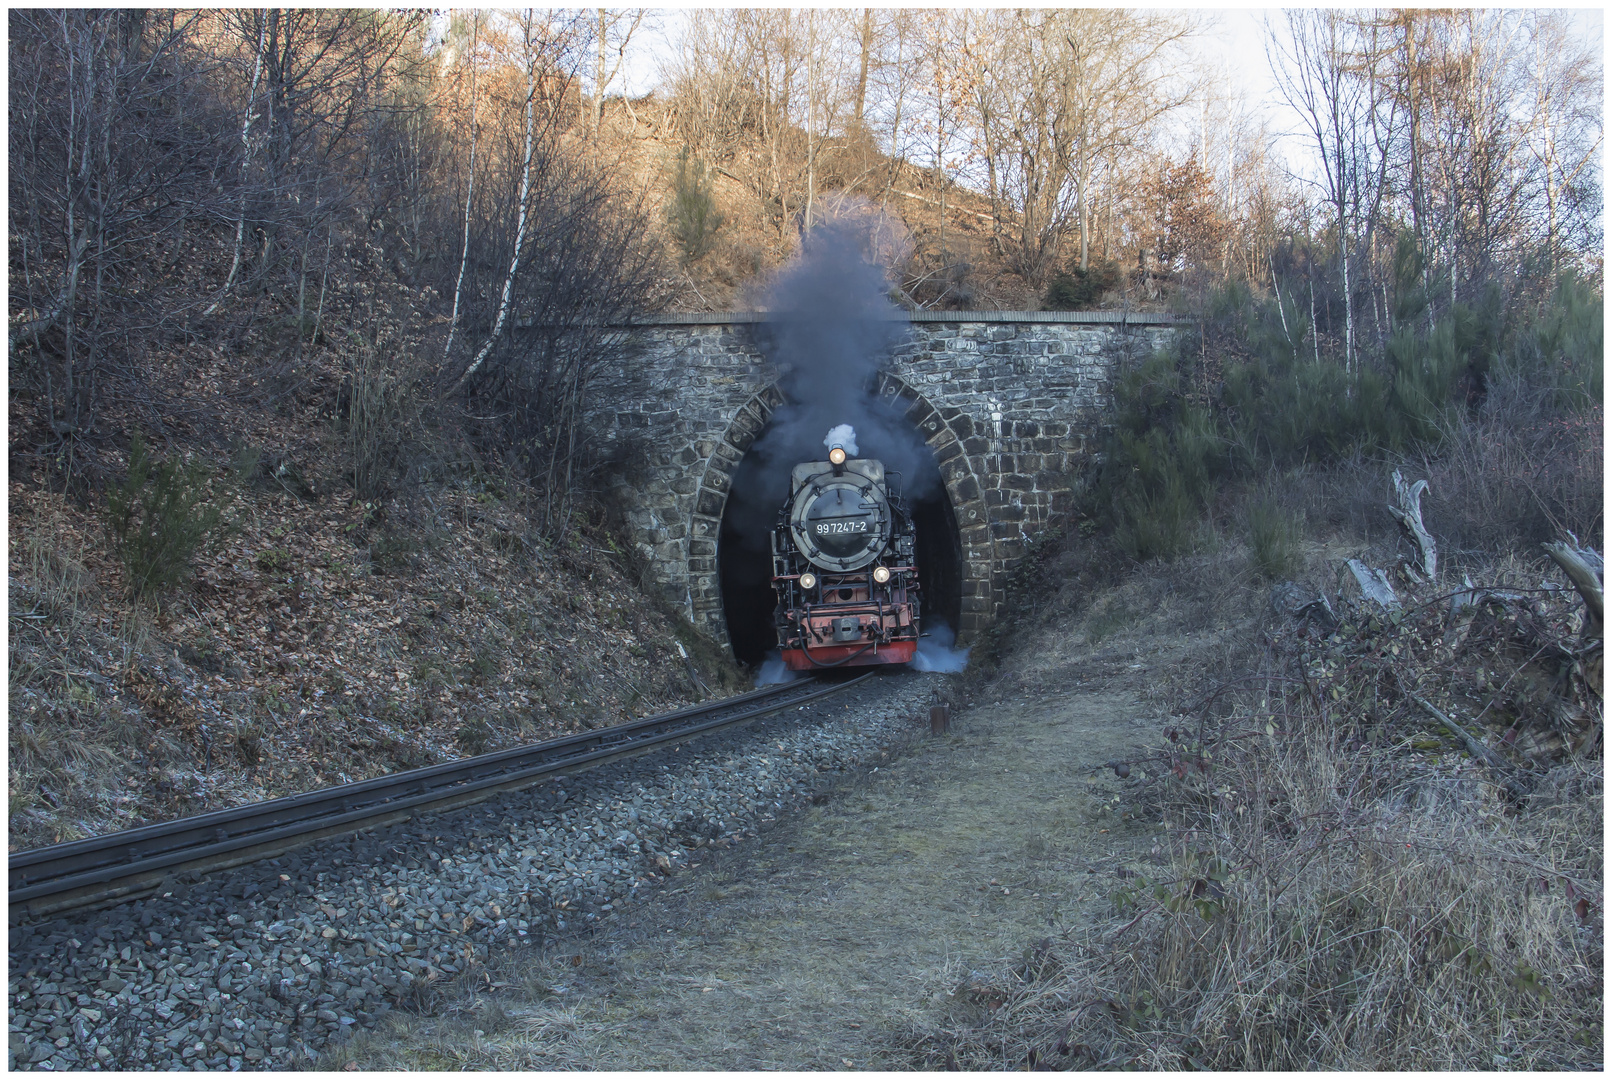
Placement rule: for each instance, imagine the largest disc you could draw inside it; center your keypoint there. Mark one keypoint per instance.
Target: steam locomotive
(843, 566)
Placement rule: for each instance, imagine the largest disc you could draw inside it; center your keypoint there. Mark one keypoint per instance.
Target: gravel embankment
(261, 967)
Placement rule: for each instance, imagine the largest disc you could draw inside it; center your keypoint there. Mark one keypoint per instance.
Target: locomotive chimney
(841, 443)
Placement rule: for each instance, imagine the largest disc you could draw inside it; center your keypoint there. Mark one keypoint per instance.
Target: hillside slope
(951, 262)
(318, 643)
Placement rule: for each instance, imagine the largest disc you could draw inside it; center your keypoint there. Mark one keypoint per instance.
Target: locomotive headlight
(808, 581)
(836, 456)
(881, 574)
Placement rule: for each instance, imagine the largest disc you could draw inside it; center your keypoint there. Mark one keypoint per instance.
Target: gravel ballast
(262, 967)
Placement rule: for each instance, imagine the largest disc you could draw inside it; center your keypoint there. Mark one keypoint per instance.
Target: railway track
(123, 866)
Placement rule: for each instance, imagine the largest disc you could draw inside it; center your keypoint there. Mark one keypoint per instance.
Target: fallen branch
(1482, 753)
(1583, 567)
(1373, 584)
(1473, 746)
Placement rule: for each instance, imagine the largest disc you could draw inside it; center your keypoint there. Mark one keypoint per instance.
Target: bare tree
(1564, 127)
(471, 61)
(811, 115)
(712, 101)
(950, 80)
(1314, 65)
(1475, 141)
(530, 54)
(1411, 79)
(556, 248)
(864, 56)
(250, 114)
(613, 33)
(894, 78)
(583, 266)
(114, 146)
(1118, 93)
(1064, 93)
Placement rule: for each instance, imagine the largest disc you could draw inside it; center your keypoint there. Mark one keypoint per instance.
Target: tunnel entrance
(760, 486)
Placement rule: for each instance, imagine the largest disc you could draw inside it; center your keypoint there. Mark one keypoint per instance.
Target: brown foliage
(1189, 229)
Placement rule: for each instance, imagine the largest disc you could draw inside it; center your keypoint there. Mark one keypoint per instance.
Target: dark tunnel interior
(744, 552)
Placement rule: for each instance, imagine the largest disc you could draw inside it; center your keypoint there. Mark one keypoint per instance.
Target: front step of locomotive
(822, 656)
(844, 636)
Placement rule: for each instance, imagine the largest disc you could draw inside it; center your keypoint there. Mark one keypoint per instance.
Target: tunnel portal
(1009, 404)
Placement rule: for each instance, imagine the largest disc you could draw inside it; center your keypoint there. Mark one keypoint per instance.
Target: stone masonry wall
(1009, 402)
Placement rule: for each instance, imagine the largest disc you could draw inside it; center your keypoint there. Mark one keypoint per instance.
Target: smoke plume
(842, 436)
(830, 326)
(774, 670)
(935, 652)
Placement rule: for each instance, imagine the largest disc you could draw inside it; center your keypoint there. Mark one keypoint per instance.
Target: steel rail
(122, 865)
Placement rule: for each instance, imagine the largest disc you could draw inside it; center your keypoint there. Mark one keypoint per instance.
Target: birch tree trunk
(1080, 211)
(520, 216)
(470, 190)
(246, 161)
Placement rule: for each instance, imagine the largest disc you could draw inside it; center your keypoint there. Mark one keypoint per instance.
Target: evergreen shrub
(1254, 394)
(159, 517)
(1075, 288)
(692, 213)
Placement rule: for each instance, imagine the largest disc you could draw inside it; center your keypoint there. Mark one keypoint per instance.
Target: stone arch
(942, 430)
(711, 498)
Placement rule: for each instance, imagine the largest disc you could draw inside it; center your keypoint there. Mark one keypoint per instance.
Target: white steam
(935, 652)
(843, 435)
(774, 670)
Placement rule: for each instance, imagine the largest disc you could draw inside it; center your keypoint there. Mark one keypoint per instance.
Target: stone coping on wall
(1103, 318)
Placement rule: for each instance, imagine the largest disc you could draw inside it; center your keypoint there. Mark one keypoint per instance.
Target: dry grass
(1407, 939)
(68, 768)
(1342, 887)
(478, 1034)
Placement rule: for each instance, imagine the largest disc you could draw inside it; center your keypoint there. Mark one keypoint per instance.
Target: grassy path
(827, 941)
